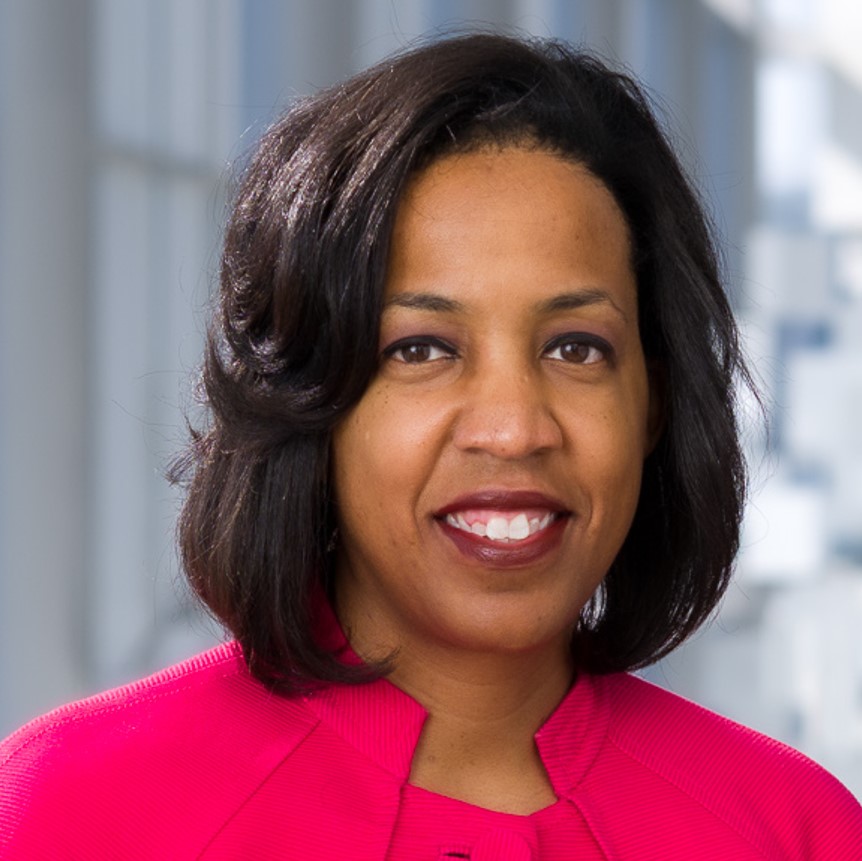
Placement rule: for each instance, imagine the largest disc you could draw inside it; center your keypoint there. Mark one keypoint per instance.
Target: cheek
(612, 441)
(629, 422)
(354, 464)
(381, 451)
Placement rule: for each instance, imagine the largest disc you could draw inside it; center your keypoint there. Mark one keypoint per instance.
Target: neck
(477, 744)
(484, 703)
(520, 688)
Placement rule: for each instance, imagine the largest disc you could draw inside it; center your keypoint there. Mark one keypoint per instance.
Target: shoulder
(211, 697)
(678, 737)
(765, 790)
(141, 753)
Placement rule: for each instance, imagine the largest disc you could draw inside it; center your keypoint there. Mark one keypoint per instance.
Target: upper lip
(503, 500)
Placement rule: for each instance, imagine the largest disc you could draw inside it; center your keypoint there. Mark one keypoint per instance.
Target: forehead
(497, 215)
(486, 171)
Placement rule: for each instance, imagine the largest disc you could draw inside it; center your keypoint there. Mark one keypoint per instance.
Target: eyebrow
(580, 299)
(569, 301)
(424, 302)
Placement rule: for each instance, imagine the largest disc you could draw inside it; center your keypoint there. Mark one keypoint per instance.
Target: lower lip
(506, 554)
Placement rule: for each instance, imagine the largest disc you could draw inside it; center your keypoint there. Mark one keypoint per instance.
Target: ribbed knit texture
(200, 761)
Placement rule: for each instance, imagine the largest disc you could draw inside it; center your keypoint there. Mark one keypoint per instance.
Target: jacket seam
(695, 799)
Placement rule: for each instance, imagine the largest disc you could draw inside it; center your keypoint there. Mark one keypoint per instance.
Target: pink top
(201, 761)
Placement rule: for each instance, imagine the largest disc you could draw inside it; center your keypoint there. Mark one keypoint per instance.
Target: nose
(507, 414)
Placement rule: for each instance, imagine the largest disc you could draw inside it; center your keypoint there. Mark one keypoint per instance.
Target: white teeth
(519, 528)
(498, 528)
(501, 529)
(543, 523)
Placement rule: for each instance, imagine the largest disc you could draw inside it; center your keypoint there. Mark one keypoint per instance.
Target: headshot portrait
(453, 503)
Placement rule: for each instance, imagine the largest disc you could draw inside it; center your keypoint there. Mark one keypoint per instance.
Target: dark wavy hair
(293, 345)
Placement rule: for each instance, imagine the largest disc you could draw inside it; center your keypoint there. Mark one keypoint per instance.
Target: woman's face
(490, 473)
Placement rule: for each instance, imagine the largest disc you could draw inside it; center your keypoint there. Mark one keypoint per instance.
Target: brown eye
(581, 353)
(578, 349)
(417, 351)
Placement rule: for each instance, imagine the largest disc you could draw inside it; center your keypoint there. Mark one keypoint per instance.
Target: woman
(472, 456)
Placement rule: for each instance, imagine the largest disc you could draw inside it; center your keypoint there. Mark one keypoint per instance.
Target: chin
(510, 630)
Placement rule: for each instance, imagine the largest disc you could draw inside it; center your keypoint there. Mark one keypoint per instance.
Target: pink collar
(384, 723)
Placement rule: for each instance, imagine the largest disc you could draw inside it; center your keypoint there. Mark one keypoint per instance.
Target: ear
(657, 410)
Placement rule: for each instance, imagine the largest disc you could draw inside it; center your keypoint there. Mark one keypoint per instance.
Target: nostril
(508, 432)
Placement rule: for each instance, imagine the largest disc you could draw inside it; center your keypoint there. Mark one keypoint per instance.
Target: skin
(510, 361)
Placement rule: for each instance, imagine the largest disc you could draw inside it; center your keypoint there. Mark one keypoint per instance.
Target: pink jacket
(201, 761)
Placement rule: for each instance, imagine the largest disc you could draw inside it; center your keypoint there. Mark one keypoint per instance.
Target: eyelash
(578, 339)
(420, 341)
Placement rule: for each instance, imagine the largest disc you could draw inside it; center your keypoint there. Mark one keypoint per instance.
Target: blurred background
(118, 123)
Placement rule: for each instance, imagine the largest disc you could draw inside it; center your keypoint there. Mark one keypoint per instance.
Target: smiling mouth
(503, 527)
